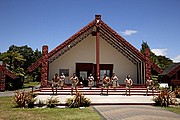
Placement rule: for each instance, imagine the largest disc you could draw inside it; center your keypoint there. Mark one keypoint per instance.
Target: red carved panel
(148, 64)
(156, 68)
(34, 65)
(5, 72)
(3, 78)
(44, 68)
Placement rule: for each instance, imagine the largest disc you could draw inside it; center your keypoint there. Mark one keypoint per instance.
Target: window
(65, 71)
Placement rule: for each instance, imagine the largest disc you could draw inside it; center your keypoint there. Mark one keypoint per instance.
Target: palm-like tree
(13, 59)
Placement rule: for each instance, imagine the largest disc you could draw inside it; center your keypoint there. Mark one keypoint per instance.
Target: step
(97, 91)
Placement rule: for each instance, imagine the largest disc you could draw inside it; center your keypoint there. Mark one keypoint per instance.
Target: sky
(50, 22)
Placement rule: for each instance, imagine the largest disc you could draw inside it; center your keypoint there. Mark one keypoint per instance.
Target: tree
(160, 61)
(163, 61)
(13, 59)
(19, 59)
(26, 52)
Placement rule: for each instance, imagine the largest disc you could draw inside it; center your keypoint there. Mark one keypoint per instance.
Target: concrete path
(105, 100)
(11, 93)
(135, 112)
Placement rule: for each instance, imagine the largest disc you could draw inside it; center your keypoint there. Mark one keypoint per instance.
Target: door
(83, 70)
(83, 77)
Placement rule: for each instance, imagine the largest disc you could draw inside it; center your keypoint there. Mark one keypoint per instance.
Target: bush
(24, 99)
(165, 98)
(52, 102)
(78, 101)
(177, 92)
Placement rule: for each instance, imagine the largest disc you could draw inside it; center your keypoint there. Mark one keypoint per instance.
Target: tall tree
(13, 59)
(160, 61)
(26, 52)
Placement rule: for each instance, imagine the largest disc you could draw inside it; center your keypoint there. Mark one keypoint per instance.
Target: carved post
(3, 78)
(148, 65)
(98, 18)
(44, 68)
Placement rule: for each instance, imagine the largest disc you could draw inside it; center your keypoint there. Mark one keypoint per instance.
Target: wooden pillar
(44, 67)
(3, 78)
(148, 65)
(98, 17)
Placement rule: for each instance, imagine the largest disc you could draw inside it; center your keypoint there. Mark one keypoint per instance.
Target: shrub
(24, 99)
(78, 101)
(52, 102)
(165, 98)
(177, 92)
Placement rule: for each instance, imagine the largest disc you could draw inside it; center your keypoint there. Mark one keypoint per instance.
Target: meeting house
(95, 49)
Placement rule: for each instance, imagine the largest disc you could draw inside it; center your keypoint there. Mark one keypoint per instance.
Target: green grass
(30, 84)
(173, 109)
(9, 112)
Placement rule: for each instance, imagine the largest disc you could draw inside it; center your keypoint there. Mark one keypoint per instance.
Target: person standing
(62, 79)
(114, 80)
(150, 85)
(55, 83)
(128, 81)
(105, 81)
(75, 81)
(90, 81)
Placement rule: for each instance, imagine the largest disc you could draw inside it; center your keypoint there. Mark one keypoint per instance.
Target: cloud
(162, 52)
(129, 32)
(176, 59)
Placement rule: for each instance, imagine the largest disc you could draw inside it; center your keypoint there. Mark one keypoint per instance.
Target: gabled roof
(107, 33)
(172, 69)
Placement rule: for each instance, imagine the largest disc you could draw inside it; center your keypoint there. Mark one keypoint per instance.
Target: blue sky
(50, 22)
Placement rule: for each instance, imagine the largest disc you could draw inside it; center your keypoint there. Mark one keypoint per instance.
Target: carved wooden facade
(99, 29)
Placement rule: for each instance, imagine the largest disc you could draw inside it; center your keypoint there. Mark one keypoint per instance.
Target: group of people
(114, 79)
(58, 81)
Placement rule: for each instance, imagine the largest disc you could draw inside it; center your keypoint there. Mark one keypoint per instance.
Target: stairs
(97, 91)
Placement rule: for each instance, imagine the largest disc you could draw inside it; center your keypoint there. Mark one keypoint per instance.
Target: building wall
(85, 52)
(122, 65)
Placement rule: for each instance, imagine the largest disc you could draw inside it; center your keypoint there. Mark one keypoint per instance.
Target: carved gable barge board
(34, 65)
(71, 39)
(122, 40)
(120, 48)
(64, 49)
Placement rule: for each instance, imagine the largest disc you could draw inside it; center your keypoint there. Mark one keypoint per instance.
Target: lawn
(173, 109)
(30, 84)
(9, 112)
